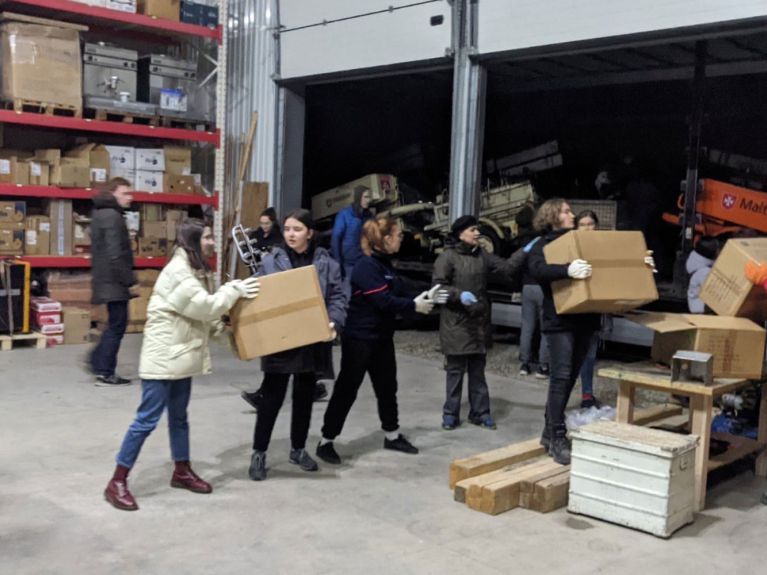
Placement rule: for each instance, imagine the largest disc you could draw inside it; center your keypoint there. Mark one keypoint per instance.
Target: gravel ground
(503, 360)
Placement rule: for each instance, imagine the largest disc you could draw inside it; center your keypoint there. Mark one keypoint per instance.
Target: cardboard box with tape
(37, 239)
(13, 212)
(289, 312)
(620, 281)
(77, 325)
(12, 239)
(736, 343)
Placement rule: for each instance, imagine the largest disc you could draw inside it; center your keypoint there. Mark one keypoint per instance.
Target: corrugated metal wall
(250, 85)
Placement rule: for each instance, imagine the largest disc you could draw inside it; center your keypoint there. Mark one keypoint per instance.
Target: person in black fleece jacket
(568, 336)
(367, 343)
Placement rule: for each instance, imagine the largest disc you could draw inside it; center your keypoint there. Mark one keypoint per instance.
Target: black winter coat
(111, 256)
(465, 330)
(545, 274)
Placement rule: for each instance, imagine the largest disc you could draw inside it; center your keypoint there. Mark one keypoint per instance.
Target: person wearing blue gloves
(464, 328)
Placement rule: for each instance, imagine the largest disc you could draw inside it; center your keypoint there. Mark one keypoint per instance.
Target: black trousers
(568, 350)
(274, 388)
(104, 355)
(479, 396)
(358, 357)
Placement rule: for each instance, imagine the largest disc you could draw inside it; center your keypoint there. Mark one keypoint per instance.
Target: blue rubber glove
(468, 298)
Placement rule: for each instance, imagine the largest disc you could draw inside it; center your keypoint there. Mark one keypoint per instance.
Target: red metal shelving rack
(82, 13)
(87, 193)
(85, 261)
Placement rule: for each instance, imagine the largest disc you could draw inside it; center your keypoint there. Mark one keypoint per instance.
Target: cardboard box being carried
(737, 344)
(37, 239)
(727, 291)
(77, 325)
(620, 281)
(289, 312)
(41, 61)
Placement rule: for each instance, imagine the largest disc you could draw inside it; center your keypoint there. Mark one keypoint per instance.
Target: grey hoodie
(698, 267)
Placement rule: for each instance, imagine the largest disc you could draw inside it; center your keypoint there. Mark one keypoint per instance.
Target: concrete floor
(380, 512)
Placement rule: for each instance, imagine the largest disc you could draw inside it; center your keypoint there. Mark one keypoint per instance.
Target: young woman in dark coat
(301, 363)
(268, 233)
(367, 344)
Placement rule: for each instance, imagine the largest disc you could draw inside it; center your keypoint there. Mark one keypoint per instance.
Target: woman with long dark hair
(301, 363)
(367, 344)
(268, 233)
(183, 312)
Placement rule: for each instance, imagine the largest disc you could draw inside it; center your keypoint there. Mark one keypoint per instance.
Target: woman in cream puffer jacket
(183, 312)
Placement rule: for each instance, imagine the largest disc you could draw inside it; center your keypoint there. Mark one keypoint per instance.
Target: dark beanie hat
(461, 224)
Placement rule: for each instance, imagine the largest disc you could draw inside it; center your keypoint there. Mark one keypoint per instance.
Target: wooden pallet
(36, 339)
(123, 117)
(45, 108)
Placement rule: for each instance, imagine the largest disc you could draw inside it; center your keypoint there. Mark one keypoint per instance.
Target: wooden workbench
(701, 408)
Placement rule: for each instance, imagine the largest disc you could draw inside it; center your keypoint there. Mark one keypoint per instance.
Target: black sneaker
(450, 422)
(560, 450)
(542, 372)
(301, 458)
(252, 398)
(257, 469)
(484, 421)
(589, 402)
(110, 380)
(328, 453)
(320, 391)
(524, 369)
(400, 444)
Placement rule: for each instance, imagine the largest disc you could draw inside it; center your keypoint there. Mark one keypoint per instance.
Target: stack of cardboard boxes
(36, 235)
(12, 216)
(155, 170)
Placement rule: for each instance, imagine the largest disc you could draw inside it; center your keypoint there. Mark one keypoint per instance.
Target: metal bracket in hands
(247, 247)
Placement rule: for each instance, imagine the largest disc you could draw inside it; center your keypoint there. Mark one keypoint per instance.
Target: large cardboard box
(152, 247)
(155, 230)
(178, 161)
(166, 9)
(98, 160)
(41, 61)
(13, 170)
(121, 157)
(39, 173)
(173, 219)
(620, 281)
(60, 214)
(152, 213)
(71, 173)
(37, 239)
(727, 291)
(82, 233)
(77, 325)
(176, 184)
(149, 181)
(12, 239)
(13, 211)
(150, 159)
(289, 312)
(737, 344)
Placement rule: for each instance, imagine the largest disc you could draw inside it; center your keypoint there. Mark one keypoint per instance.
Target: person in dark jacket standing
(464, 327)
(111, 275)
(378, 296)
(347, 230)
(301, 363)
(268, 233)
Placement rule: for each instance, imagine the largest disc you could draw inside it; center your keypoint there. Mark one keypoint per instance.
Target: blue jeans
(156, 395)
(587, 370)
(104, 355)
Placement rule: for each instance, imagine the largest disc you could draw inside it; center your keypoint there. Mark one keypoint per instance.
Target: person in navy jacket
(367, 343)
(347, 229)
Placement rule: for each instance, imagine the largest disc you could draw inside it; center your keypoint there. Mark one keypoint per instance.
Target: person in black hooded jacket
(111, 275)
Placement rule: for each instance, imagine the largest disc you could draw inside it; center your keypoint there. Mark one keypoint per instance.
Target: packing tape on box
(281, 310)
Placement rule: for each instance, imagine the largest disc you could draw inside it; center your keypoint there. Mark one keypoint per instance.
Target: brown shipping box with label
(620, 281)
(178, 161)
(71, 173)
(13, 211)
(165, 9)
(736, 343)
(37, 239)
(77, 325)
(39, 172)
(173, 219)
(60, 213)
(152, 247)
(97, 158)
(41, 61)
(727, 290)
(13, 170)
(12, 239)
(289, 312)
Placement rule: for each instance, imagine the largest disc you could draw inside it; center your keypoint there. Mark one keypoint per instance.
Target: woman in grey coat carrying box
(301, 363)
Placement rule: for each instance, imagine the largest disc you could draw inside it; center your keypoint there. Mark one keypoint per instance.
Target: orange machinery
(724, 208)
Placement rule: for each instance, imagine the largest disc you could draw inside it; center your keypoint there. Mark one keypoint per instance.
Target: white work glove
(423, 304)
(439, 295)
(333, 333)
(650, 261)
(579, 269)
(248, 288)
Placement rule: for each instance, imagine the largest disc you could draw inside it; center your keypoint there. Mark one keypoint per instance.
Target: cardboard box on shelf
(41, 61)
(71, 173)
(154, 230)
(39, 173)
(150, 159)
(13, 211)
(178, 160)
(180, 184)
(77, 325)
(82, 233)
(152, 213)
(43, 304)
(173, 219)
(98, 160)
(37, 239)
(737, 344)
(288, 313)
(149, 181)
(12, 239)
(121, 157)
(60, 214)
(152, 247)
(51, 156)
(165, 9)
(13, 170)
(727, 291)
(620, 280)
